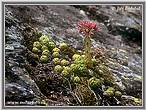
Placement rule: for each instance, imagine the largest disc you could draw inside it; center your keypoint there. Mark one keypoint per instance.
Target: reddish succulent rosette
(87, 27)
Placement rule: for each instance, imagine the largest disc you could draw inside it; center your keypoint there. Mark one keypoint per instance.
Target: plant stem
(88, 57)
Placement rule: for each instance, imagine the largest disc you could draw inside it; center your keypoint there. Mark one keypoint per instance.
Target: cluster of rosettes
(43, 46)
(87, 27)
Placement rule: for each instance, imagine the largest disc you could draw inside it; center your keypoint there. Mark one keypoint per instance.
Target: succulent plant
(64, 62)
(76, 79)
(58, 68)
(82, 69)
(56, 61)
(56, 49)
(74, 67)
(44, 47)
(109, 92)
(94, 82)
(35, 50)
(111, 89)
(43, 37)
(51, 46)
(67, 68)
(87, 28)
(63, 46)
(55, 54)
(118, 94)
(45, 52)
(45, 42)
(43, 58)
(79, 69)
(79, 61)
(76, 56)
(37, 44)
(65, 73)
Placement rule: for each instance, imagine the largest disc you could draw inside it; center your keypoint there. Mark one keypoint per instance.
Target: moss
(42, 84)
(55, 54)
(44, 59)
(85, 95)
(56, 61)
(58, 68)
(104, 72)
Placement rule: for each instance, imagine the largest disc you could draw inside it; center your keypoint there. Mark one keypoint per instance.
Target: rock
(15, 92)
(131, 100)
(19, 86)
